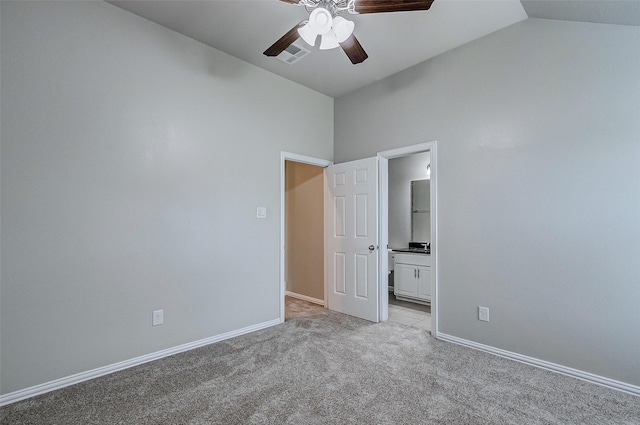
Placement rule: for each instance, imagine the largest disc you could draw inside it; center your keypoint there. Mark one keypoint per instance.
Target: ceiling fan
(325, 21)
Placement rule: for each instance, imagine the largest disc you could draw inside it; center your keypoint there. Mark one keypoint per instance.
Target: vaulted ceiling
(393, 41)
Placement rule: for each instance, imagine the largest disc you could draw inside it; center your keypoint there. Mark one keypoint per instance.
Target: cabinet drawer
(415, 259)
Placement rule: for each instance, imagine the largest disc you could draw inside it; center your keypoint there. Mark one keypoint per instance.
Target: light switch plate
(261, 212)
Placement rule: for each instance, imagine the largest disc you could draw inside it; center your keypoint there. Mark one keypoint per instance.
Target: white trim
(115, 367)
(383, 237)
(407, 150)
(305, 298)
(294, 157)
(564, 370)
(383, 160)
(288, 156)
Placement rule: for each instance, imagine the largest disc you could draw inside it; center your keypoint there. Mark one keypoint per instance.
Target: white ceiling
(393, 41)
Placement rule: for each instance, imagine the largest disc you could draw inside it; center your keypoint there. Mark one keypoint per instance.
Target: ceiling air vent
(293, 53)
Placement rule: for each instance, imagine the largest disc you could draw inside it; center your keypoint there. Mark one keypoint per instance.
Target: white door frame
(288, 156)
(383, 161)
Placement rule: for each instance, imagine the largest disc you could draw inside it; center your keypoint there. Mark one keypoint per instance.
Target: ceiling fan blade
(354, 50)
(381, 6)
(291, 1)
(285, 41)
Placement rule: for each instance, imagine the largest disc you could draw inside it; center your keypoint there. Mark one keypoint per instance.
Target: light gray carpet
(321, 367)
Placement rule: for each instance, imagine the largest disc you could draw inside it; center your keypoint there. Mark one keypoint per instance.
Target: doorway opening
(422, 276)
(302, 237)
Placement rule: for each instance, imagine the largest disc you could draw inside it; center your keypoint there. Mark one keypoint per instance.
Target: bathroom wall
(304, 200)
(401, 172)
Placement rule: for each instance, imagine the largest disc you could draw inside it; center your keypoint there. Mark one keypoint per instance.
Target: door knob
(372, 248)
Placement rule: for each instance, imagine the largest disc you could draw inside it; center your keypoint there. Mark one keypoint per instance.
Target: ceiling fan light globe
(329, 41)
(308, 34)
(320, 20)
(342, 28)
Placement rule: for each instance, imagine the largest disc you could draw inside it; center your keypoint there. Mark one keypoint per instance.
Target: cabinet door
(424, 283)
(406, 281)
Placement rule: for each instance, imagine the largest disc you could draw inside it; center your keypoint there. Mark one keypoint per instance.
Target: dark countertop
(413, 250)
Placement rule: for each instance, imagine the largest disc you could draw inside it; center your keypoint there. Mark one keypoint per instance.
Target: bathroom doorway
(410, 164)
(409, 230)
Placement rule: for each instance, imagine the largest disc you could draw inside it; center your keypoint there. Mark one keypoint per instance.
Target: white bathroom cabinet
(413, 277)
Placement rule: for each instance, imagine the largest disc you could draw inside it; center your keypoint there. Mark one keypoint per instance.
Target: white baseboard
(575, 373)
(305, 298)
(105, 370)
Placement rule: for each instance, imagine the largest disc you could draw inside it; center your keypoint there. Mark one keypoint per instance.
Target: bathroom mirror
(420, 211)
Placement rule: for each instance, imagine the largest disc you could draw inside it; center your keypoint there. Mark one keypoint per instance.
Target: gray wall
(401, 172)
(538, 130)
(133, 160)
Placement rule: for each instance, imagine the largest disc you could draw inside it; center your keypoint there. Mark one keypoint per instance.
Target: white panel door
(351, 238)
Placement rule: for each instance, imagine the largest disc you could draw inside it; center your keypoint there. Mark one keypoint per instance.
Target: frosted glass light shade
(333, 30)
(329, 41)
(308, 34)
(320, 20)
(342, 28)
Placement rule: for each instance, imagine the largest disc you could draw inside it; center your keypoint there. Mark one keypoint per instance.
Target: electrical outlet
(483, 313)
(158, 317)
(261, 212)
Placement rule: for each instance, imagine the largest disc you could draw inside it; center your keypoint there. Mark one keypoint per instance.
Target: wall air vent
(293, 54)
